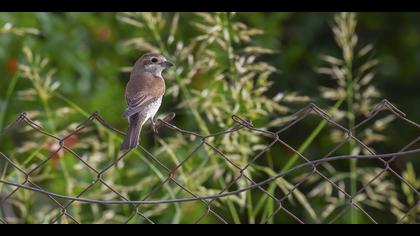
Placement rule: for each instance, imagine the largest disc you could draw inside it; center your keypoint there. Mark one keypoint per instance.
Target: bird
(143, 95)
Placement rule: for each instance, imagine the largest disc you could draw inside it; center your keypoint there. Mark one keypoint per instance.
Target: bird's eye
(154, 60)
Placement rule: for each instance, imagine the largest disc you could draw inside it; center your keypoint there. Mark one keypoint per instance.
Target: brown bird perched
(143, 95)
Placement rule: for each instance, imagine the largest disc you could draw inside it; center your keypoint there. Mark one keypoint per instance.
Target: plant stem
(228, 37)
(47, 110)
(9, 94)
(308, 141)
(72, 104)
(351, 121)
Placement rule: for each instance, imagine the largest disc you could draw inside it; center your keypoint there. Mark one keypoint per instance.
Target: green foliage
(61, 67)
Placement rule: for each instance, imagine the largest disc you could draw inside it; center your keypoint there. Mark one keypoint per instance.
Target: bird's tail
(132, 137)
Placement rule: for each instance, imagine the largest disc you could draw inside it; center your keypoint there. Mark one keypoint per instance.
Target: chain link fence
(62, 204)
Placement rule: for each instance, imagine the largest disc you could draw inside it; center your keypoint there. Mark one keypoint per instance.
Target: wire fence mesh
(62, 204)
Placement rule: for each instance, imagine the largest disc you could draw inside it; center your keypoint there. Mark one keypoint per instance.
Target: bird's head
(154, 63)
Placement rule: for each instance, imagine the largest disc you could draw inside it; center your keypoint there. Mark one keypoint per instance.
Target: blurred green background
(91, 54)
(86, 50)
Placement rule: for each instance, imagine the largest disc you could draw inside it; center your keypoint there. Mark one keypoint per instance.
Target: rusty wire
(208, 201)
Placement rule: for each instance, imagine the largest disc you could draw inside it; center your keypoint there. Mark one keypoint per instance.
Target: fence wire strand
(208, 201)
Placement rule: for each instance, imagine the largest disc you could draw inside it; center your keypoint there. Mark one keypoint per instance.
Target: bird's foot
(154, 128)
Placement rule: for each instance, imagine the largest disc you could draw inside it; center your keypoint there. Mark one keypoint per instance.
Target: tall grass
(353, 73)
(233, 81)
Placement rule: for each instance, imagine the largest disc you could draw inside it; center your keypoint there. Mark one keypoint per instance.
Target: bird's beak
(167, 64)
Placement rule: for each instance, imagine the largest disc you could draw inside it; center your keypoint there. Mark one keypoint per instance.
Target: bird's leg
(155, 131)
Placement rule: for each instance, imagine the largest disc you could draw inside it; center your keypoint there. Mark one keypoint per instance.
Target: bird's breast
(150, 110)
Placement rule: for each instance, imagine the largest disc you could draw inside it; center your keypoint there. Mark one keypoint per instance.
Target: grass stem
(9, 94)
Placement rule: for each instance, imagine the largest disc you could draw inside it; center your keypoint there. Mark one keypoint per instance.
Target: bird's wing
(136, 104)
